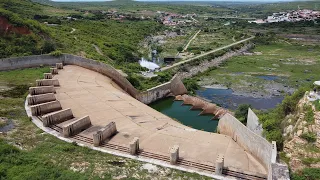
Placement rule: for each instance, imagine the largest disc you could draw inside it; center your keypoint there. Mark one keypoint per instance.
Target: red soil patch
(6, 27)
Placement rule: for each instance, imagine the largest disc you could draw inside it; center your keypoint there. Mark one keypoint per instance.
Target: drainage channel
(181, 162)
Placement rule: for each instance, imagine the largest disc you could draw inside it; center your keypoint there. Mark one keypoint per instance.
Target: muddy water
(227, 99)
(184, 115)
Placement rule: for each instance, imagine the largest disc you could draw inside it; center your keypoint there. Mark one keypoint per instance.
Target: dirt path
(205, 54)
(97, 49)
(73, 30)
(194, 36)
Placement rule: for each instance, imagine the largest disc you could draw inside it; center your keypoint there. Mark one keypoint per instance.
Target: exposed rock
(289, 129)
(288, 155)
(120, 177)
(150, 167)
(305, 130)
(299, 132)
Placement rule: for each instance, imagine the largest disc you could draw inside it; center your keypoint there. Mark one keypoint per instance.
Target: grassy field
(295, 66)
(29, 153)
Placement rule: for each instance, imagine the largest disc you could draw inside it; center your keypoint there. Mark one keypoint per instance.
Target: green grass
(309, 161)
(317, 105)
(307, 174)
(309, 114)
(310, 137)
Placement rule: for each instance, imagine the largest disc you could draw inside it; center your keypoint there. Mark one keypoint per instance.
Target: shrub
(317, 105)
(310, 137)
(191, 85)
(242, 113)
(309, 113)
(56, 53)
(180, 48)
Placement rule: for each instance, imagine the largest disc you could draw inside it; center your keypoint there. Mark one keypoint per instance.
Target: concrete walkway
(89, 93)
(205, 54)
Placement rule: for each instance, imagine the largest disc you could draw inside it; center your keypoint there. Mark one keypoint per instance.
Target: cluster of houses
(172, 19)
(291, 16)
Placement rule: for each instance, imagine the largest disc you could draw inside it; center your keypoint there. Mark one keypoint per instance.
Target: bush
(242, 113)
(191, 85)
(309, 113)
(310, 137)
(135, 81)
(317, 105)
(48, 47)
(180, 48)
(56, 53)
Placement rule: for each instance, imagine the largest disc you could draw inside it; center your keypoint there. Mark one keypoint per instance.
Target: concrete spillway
(207, 108)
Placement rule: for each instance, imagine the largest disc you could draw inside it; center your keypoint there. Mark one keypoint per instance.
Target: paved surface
(90, 93)
(205, 54)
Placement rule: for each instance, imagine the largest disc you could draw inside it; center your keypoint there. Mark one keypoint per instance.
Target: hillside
(49, 29)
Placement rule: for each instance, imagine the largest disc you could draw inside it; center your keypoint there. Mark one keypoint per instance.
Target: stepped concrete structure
(95, 106)
(89, 93)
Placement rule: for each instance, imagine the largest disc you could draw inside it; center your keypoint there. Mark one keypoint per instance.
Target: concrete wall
(256, 145)
(253, 123)
(175, 86)
(28, 62)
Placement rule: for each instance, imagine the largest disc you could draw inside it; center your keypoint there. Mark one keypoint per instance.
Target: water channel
(223, 97)
(184, 115)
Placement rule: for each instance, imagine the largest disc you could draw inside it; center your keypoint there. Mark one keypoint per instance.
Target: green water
(184, 115)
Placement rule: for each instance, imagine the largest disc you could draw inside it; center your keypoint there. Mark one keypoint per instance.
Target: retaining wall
(175, 86)
(253, 123)
(256, 145)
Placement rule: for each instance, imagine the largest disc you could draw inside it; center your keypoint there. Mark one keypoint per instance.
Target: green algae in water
(184, 115)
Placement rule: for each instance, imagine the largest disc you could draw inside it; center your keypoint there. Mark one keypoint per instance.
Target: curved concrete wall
(256, 145)
(175, 86)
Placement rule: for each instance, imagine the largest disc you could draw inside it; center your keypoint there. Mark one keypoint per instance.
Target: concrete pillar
(134, 146)
(53, 70)
(104, 133)
(47, 76)
(76, 127)
(57, 117)
(219, 164)
(47, 82)
(174, 154)
(97, 138)
(59, 65)
(41, 90)
(41, 98)
(45, 108)
(274, 152)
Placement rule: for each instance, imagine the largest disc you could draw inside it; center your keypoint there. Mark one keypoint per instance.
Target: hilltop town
(290, 16)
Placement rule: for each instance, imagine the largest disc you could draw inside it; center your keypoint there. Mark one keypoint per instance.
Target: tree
(48, 47)
(242, 113)
(180, 48)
